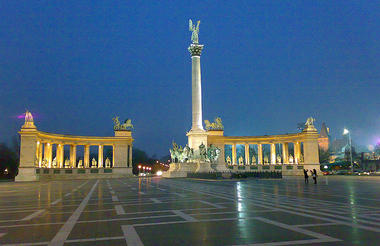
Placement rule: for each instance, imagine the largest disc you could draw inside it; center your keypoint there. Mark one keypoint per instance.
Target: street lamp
(345, 132)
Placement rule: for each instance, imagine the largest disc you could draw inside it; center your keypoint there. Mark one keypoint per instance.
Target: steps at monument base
(40, 174)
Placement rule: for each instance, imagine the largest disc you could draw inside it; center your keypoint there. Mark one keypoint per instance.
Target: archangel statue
(195, 30)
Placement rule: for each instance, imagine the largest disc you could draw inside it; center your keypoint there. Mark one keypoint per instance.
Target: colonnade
(274, 158)
(44, 156)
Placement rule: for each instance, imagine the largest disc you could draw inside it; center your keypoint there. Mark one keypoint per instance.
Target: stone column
(196, 86)
(36, 163)
(130, 156)
(40, 154)
(86, 156)
(246, 152)
(113, 155)
(100, 156)
(28, 146)
(49, 153)
(273, 153)
(311, 153)
(233, 154)
(260, 154)
(73, 155)
(297, 152)
(60, 158)
(285, 153)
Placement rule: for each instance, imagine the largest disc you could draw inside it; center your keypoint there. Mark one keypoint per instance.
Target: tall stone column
(285, 153)
(73, 155)
(100, 156)
(246, 152)
(40, 154)
(197, 135)
(297, 152)
(130, 156)
(86, 156)
(233, 154)
(61, 155)
(260, 154)
(273, 153)
(37, 154)
(49, 154)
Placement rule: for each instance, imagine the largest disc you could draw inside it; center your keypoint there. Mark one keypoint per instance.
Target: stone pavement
(157, 211)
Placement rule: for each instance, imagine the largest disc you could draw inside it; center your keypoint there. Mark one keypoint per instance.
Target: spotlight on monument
(159, 173)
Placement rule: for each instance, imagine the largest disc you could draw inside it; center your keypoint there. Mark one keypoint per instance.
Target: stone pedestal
(26, 174)
(196, 138)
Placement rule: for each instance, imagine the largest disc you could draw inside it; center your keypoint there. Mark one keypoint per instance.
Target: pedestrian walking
(314, 173)
(306, 176)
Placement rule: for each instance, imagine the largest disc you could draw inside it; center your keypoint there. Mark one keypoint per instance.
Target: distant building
(323, 139)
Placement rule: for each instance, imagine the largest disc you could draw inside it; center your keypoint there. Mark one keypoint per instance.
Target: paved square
(157, 211)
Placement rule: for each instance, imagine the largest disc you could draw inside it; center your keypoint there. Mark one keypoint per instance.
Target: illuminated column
(113, 155)
(195, 51)
(100, 156)
(87, 156)
(285, 153)
(49, 153)
(260, 154)
(73, 155)
(130, 156)
(40, 154)
(246, 151)
(297, 152)
(233, 154)
(273, 153)
(36, 158)
(61, 155)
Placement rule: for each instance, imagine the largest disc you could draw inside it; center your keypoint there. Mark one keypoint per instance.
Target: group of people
(313, 174)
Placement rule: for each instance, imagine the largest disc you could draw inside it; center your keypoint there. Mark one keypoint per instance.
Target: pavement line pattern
(33, 215)
(211, 204)
(299, 230)
(131, 236)
(119, 210)
(65, 230)
(184, 216)
(178, 194)
(155, 200)
(56, 201)
(115, 198)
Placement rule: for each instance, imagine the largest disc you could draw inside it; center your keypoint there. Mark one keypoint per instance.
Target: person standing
(314, 173)
(306, 176)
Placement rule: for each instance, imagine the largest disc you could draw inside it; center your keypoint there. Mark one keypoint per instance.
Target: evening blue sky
(266, 66)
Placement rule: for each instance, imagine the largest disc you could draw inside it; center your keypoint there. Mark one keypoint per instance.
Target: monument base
(26, 174)
(196, 138)
(180, 170)
(44, 174)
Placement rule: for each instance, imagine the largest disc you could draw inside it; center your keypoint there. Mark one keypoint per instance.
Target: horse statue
(216, 125)
(310, 121)
(127, 125)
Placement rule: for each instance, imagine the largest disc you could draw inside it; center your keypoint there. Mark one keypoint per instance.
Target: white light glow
(159, 173)
(345, 131)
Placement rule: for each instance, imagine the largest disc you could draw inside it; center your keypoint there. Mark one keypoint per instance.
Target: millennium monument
(38, 161)
(210, 151)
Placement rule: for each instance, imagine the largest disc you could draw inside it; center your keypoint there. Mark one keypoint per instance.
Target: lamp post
(345, 132)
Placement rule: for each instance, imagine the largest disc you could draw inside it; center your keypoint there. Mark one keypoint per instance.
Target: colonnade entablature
(47, 150)
(295, 148)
